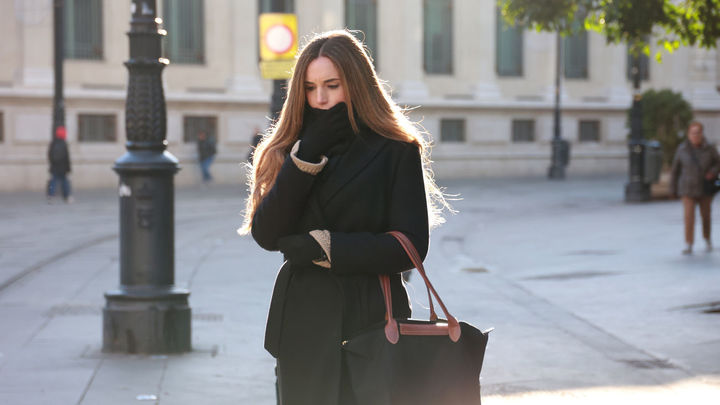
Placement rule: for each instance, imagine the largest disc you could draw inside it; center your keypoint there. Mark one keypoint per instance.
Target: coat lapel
(363, 149)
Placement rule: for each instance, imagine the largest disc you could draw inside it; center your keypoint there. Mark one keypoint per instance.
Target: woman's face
(322, 84)
(695, 135)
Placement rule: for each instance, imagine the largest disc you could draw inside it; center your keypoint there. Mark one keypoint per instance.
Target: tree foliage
(665, 118)
(671, 22)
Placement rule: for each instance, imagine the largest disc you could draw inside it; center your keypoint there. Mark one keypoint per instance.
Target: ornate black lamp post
(59, 51)
(636, 189)
(147, 313)
(560, 147)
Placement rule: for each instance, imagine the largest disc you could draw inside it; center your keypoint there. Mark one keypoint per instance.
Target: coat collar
(689, 144)
(362, 150)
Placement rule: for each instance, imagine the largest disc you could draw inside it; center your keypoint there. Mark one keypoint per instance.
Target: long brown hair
(364, 93)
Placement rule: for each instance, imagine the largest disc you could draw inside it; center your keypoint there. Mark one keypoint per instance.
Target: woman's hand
(328, 128)
(300, 248)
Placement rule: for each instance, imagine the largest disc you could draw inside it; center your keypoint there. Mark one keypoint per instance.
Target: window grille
(185, 24)
(437, 36)
(508, 48)
(194, 124)
(452, 130)
(576, 56)
(362, 15)
(523, 131)
(97, 128)
(83, 29)
(589, 131)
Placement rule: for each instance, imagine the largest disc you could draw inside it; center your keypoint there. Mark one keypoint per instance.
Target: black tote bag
(405, 361)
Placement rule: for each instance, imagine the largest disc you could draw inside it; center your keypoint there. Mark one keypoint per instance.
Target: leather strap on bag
(391, 327)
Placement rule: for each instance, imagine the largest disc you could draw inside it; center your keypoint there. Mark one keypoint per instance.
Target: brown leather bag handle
(391, 327)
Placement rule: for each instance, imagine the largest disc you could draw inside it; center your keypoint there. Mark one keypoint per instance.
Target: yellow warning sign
(278, 36)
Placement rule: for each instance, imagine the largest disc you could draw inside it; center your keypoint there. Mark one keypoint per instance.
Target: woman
(341, 167)
(695, 161)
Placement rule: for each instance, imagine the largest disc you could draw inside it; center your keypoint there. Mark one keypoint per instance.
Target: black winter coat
(206, 148)
(375, 186)
(59, 157)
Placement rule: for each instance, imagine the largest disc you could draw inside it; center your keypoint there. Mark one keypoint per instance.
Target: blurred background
(484, 90)
(591, 298)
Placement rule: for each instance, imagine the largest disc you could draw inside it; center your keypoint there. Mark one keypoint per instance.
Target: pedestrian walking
(206, 154)
(695, 167)
(59, 159)
(342, 166)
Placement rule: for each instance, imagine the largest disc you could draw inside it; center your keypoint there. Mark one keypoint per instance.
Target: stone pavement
(590, 298)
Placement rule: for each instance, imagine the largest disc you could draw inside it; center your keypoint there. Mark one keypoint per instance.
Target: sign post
(278, 46)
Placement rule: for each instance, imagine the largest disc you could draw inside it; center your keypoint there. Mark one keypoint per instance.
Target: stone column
(401, 50)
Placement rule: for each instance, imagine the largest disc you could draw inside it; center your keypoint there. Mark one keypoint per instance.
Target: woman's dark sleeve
(365, 252)
(282, 207)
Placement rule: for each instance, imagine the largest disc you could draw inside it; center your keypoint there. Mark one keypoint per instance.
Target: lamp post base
(637, 191)
(150, 321)
(556, 172)
(559, 159)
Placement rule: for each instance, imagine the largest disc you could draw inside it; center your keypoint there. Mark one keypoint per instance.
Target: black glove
(323, 129)
(301, 248)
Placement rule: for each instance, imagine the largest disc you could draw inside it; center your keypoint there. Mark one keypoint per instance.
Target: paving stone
(590, 298)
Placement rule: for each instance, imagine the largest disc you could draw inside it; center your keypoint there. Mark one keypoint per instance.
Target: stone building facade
(484, 91)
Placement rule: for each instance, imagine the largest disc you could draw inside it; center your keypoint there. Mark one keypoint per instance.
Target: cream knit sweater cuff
(323, 239)
(307, 167)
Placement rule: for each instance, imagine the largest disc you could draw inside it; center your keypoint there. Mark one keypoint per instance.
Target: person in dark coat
(59, 158)
(695, 162)
(342, 167)
(206, 154)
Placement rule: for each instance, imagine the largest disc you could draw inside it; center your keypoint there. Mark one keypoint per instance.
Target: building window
(644, 66)
(185, 24)
(83, 29)
(589, 131)
(523, 131)
(452, 130)
(362, 15)
(508, 48)
(437, 36)
(97, 128)
(192, 125)
(576, 55)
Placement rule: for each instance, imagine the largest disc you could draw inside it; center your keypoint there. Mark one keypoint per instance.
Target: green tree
(665, 115)
(672, 23)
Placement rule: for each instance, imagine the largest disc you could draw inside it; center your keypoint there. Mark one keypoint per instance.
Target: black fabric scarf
(335, 153)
